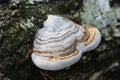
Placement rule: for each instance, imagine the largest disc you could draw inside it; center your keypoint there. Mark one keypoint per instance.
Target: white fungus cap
(46, 64)
(61, 42)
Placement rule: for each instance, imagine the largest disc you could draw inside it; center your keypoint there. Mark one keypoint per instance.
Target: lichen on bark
(101, 15)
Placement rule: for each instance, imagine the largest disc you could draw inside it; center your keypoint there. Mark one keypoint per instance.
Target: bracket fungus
(61, 42)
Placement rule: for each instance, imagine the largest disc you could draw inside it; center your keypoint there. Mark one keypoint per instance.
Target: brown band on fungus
(89, 35)
(85, 37)
(52, 58)
(72, 46)
(75, 52)
(92, 34)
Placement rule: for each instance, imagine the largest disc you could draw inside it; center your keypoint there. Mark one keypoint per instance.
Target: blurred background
(19, 20)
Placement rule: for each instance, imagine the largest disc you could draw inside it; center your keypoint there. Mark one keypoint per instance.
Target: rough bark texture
(19, 20)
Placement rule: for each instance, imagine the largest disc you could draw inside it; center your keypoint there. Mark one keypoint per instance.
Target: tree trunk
(19, 20)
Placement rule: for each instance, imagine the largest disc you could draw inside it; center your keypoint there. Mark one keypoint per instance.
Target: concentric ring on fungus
(61, 42)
